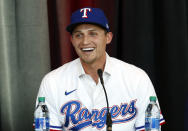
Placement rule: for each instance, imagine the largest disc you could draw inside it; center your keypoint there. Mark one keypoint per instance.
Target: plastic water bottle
(152, 116)
(41, 116)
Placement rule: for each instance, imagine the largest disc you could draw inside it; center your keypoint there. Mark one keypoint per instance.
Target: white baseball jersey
(76, 102)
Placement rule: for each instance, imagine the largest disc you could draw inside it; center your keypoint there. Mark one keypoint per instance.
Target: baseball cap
(90, 16)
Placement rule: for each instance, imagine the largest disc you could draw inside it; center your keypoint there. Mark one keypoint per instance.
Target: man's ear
(71, 38)
(109, 37)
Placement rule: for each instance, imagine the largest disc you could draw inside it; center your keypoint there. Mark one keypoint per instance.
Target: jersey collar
(107, 68)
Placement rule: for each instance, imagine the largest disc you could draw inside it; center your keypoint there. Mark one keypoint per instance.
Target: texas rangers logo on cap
(85, 10)
(88, 16)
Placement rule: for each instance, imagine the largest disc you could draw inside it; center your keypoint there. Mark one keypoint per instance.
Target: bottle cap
(41, 99)
(152, 98)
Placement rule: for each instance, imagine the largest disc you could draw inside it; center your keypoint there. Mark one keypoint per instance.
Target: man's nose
(86, 40)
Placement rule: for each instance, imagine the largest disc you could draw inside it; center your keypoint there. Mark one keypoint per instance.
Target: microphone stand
(108, 117)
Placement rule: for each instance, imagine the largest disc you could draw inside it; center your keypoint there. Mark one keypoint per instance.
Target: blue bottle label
(42, 123)
(152, 123)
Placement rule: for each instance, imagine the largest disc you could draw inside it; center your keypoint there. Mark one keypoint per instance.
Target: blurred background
(151, 34)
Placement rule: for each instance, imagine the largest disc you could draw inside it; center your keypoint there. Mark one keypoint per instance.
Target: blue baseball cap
(89, 16)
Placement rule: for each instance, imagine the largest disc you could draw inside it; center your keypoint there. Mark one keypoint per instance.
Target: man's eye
(78, 35)
(93, 34)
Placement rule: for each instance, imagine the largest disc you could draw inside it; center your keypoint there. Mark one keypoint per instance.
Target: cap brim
(71, 27)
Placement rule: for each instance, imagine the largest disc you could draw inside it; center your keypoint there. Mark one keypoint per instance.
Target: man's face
(90, 42)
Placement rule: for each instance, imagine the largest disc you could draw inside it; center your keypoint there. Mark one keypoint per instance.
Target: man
(74, 94)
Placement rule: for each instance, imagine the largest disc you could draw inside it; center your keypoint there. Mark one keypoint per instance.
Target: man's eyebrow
(76, 31)
(79, 31)
(92, 30)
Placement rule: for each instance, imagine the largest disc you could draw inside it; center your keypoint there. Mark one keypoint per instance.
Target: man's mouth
(87, 49)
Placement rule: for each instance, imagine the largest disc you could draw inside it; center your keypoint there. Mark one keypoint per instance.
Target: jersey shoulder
(68, 69)
(127, 68)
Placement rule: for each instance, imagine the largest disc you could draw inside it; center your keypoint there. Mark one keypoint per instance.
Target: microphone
(108, 117)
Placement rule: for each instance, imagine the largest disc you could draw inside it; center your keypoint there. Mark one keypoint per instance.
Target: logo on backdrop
(85, 11)
(80, 117)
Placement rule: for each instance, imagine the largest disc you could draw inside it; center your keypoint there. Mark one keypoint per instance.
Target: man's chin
(88, 61)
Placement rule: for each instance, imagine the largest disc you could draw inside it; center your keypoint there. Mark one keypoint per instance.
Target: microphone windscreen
(99, 71)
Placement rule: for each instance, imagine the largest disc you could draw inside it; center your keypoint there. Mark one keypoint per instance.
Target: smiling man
(73, 93)
(90, 43)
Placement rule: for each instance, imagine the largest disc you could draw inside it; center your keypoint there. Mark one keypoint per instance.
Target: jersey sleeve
(146, 90)
(46, 90)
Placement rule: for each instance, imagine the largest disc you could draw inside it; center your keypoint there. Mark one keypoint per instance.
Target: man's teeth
(87, 49)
